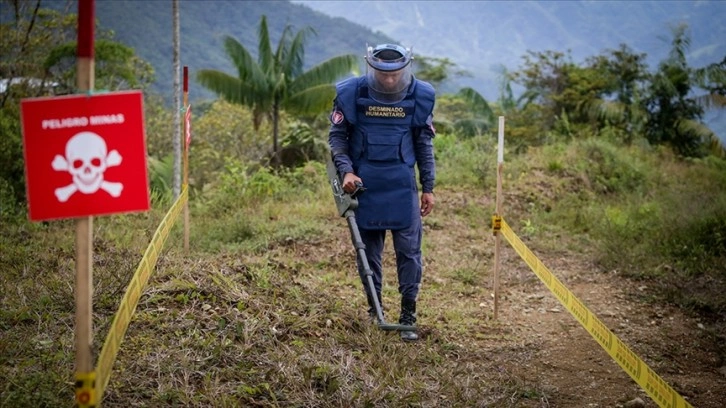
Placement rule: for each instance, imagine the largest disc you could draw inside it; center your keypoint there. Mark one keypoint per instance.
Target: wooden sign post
(84, 225)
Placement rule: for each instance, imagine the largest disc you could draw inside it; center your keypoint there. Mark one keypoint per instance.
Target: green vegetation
(267, 309)
(276, 81)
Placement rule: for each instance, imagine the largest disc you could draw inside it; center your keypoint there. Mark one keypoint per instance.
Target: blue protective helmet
(389, 72)
(388, 57)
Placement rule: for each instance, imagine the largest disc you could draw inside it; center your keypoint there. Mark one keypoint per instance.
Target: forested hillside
(480, 37)
(483, 36)
(147, 27)
(487, 37)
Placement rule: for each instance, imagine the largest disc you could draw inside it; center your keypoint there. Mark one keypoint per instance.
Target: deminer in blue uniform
(381, 129)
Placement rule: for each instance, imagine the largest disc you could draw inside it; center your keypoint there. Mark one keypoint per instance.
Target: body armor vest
(381, 147)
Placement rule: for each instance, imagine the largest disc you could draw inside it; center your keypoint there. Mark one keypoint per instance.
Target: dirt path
(537, 339)
(566, 361)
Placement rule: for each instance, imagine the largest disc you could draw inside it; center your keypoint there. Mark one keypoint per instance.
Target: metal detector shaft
(360, 250)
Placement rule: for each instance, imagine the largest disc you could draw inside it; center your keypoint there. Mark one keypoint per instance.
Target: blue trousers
(407, 246)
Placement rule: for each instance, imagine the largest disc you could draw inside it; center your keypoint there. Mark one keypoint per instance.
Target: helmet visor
(389, 86)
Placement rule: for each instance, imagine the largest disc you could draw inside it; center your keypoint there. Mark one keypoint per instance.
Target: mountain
(482, 37)
(479, 36)
(147, 26)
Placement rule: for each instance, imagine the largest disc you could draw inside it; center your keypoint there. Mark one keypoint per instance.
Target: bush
(12, 165)
(465, 162)
(608, 168)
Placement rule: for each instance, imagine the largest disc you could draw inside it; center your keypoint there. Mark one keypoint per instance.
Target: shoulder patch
(337, 117)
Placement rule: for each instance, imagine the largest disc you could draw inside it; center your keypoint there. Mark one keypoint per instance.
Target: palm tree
(675, 116)
(712, 79)
(277, 81)
(618, 103)
(483, 116)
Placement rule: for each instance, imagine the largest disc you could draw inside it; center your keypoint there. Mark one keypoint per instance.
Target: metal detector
(346, 204)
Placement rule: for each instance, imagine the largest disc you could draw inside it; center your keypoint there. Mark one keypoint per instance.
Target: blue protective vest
(381, 147)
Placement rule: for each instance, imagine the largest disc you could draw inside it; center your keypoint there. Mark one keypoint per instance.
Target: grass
(267, 309)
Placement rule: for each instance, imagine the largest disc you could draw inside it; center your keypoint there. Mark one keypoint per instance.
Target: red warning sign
(85, 155)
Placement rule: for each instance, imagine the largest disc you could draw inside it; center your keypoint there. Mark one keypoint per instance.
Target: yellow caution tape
(86, 390)
(131, 298)
(659, 390)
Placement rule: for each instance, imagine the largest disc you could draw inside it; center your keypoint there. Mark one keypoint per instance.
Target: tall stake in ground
(497, 237)
(84, 226)
(185, 161)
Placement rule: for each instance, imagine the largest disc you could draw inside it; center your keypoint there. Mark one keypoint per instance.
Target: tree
(674, 115)
(25, 43)
(466, 112)
(39, 56)
(712, 79)
(506, 101)
(116, 67)
(437, 70)
(546, 76)
(277, 80)
(557, 95)
(482, 114)
(619, 105)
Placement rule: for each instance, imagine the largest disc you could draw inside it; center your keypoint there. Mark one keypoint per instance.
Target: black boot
(372, 306)
(408, 318)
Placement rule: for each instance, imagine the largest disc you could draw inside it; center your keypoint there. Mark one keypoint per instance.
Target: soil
(538, 339)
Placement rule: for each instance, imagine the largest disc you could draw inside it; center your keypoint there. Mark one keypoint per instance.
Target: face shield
(388, 72)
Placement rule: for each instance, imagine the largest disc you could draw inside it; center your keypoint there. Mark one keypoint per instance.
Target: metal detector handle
(358, 189)
(344, 202)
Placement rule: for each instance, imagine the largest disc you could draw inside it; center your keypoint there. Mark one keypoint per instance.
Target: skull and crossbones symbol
(86, 159)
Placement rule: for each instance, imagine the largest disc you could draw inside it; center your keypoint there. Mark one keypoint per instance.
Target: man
(382, 127)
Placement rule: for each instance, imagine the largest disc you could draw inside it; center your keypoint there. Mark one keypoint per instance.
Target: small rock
(701, 326)
(722, 370)
(635, 403)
